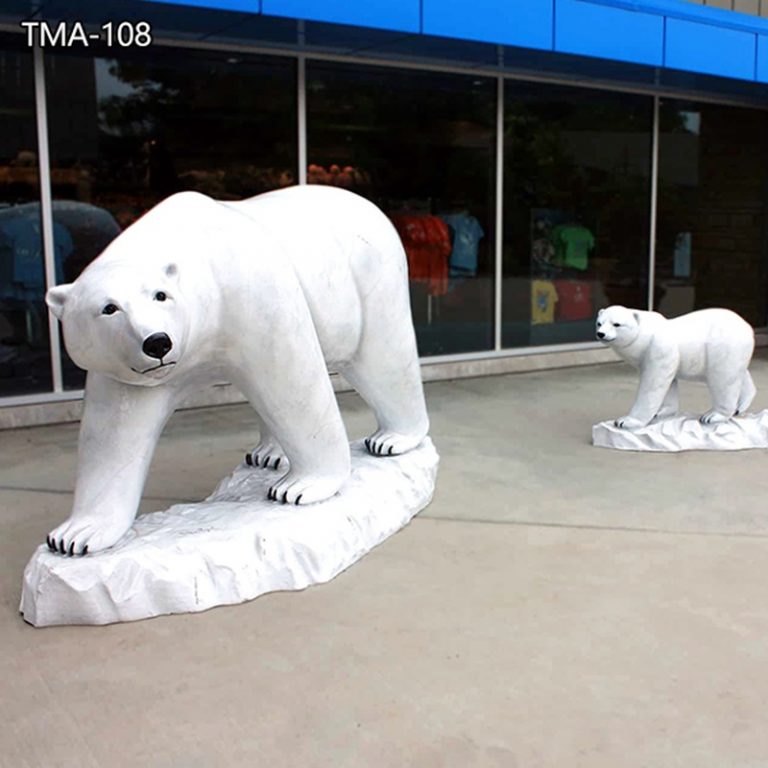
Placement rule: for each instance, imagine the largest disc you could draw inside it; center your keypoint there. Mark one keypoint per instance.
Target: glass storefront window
(25, 362)
(420, 145)
(126, 133)
(576, 209)
(711, 244)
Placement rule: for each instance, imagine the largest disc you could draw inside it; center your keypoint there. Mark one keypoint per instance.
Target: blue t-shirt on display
(21, 239)
(467, 234)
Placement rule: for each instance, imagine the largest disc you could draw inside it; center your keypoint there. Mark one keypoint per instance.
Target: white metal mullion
(654, 202)
(499, 249)
(46, 211)
(301, 66)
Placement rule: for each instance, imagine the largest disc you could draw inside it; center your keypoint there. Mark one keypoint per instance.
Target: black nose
(600, 335)
(157, 345)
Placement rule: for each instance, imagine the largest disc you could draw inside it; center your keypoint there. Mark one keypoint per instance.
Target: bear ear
(56, 298)
(636, 315)
(600, 313)
(171, 270)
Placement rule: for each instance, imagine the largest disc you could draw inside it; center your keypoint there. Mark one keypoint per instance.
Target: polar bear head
(126, 323)
(617, 326)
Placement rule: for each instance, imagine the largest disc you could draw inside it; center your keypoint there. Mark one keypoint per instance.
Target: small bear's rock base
(232, 547)
(686, 433)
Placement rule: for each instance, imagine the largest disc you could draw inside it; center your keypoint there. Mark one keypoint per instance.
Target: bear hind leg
(747, 393)
(725, 393)
(396, 396)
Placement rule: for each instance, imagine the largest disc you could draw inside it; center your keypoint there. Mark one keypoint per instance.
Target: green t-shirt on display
(572, 245)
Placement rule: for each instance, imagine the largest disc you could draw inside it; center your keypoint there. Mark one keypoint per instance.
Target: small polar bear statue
(267, 293)
(710, 345)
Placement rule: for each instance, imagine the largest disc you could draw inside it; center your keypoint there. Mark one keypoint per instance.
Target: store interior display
(419, 145)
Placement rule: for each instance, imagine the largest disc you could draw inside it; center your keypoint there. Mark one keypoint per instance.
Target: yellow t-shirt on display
(543, 300)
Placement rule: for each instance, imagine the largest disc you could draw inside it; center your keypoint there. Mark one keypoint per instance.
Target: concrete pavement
(556, 605)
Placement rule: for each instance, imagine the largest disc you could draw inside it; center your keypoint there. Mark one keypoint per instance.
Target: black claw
(270, 494)
(256, 460)
(277, 463)
(389, 452)
(298, 499)
(368, 444)
(266, 461)
(249, 459)
(51, 544)
(285, 496)
(85, 549)
(62, 549)
(72, 549)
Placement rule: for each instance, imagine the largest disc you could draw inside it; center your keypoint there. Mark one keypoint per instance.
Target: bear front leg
(118, 433)
(268, 453)
(671, 404)
(656, 379)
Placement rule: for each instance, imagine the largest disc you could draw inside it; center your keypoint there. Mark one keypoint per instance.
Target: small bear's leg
(656, 381)
(724, 387)
(671, 404)
(747, 393)
(268, 453)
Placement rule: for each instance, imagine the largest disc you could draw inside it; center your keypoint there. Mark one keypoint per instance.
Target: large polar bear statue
(268, 293)
(710, 345)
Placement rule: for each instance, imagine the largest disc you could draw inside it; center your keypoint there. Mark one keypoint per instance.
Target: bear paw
(82, 536)
(268, 455)
(714, 417)
(306, 489)
(383, 443)
(629, 422)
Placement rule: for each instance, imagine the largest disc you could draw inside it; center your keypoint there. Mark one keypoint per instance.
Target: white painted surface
(686, 433)
(232, 547)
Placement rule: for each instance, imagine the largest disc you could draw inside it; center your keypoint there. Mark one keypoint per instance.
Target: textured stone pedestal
(686, 433)
(231, 547)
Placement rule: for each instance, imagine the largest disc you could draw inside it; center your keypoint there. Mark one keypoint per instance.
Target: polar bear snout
(600, 335)
(157, 345)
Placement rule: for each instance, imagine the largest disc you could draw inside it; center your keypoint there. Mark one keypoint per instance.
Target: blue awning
(661, 33)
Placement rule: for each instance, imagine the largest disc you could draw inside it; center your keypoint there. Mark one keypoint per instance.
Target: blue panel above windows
(398, 15)
(711, 50)
(524, 23)
(762, 58)
(677, 36)
(254, 6)
(592, 29)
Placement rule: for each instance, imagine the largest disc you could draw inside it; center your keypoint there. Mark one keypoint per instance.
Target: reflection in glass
(713, 187)
(576, 208)
(126, 133)
(25, 363)
(421, 146)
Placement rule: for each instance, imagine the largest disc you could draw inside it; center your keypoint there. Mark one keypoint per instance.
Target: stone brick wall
(755, 7)
(729, 221)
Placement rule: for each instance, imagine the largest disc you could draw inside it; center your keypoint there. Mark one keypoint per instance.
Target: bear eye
(161, 296)
(109, 309)
(617, 325)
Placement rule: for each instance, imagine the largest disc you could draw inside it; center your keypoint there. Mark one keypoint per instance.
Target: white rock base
(231, 547)
(686, 433)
